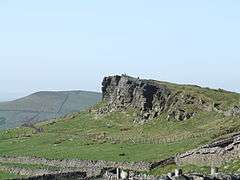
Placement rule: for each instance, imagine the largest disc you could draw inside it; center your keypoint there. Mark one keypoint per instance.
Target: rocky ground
(214, 154)
(78, 169)
(166, 118)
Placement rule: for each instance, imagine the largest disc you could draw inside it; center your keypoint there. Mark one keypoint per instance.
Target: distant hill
(43, 106)
(137, 120)
(10, 96)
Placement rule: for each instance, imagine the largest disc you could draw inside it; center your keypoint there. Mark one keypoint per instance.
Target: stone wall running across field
(213, 154)
(92, 168)
(59, 176)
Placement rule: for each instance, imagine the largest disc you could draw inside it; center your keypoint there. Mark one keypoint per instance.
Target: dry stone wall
(59, 176)
(93, 168)
(214, 154)
(34, 172)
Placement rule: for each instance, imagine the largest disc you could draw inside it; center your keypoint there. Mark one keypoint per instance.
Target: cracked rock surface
(151, 98)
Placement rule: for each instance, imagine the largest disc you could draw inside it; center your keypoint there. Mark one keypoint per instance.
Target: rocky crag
(150, 98)
(214, 154)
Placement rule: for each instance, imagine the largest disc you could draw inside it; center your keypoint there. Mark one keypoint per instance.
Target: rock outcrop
(233, 111)
(213, 154)
(150, 98)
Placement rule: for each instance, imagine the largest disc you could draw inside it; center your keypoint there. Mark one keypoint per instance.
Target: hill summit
(152, 98)
(43, 106)
(148, 123)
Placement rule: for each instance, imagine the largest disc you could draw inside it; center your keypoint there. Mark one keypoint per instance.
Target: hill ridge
(44, 105)
(152, 98)
(111, 131)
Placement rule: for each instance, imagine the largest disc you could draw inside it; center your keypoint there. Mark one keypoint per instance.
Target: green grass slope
(114, 136)
(44, 105)
(6, 175)
(222, 99)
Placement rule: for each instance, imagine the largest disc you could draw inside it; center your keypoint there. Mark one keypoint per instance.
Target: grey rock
(233, 111)
(214, 154)
(150, 98)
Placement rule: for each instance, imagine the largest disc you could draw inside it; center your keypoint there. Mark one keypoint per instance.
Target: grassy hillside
(114, 136)
(5, 175)
(221, 98)
(44, 105)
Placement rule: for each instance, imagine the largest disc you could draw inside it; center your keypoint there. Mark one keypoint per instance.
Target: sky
(73, 44)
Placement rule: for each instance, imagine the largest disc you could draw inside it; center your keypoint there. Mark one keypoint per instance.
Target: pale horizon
(62, 45)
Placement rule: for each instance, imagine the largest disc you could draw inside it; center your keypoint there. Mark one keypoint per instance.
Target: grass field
(6, 175)
(224, 99)
(114, 136)
(86, 136)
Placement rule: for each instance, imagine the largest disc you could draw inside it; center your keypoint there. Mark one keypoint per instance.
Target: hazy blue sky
(72, 44)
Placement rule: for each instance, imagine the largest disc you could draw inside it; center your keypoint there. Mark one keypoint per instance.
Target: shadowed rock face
(149, 97)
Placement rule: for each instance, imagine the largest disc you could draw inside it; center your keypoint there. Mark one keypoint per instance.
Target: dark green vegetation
(114, 136)
(44, 105)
